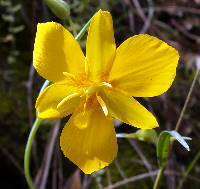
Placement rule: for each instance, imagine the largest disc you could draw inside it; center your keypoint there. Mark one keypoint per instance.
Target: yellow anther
(86, 66)
(106, 84)
(69, 75)
(67, 98)
(91, 90)
(103, 105)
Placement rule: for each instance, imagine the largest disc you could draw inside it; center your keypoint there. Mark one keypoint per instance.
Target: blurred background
(175, 21)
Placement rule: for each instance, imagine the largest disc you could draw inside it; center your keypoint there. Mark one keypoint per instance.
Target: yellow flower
(99, 86)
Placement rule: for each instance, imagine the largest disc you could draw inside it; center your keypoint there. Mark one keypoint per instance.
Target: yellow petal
(56, 51)
(128, 110)
(144, 66)
(52, 102)
(90, 148)
(100, 46)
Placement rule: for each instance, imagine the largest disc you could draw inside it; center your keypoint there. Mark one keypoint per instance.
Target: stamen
(69, 75)
(86, 66)
(67, 98)
(107, 84)
(103, 105)
(91, 90)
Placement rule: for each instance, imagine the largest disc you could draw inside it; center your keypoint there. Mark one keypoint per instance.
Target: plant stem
(190, 167)
(158, 177)
(45, 84)
(83, 30)
(38, 121)
(161, 170)
(28, 152)
(187, 100)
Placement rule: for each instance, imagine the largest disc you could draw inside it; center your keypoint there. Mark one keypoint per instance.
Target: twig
(55, 169)
(86, 181)
(60, 169)
(149, 18)
(109, 178)
(141, 155)
(181, 29)
(49, 153)
(144, 176)
(187, 100)
(133, 179)
(30, 110)
(190, 167)
(121, 172)
(175, 8)
(12, 159)
(171, 180)
(29, 94)
(139, 9)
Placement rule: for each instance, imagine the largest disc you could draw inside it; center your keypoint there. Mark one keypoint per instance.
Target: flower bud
(148, 135)
(59, 7)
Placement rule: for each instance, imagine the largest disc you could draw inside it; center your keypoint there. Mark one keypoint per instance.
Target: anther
(67, 98)
(103, 105)
(69, 75)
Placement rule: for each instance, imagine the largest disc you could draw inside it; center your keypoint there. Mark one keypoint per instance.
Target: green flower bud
(59, 7)
(148, 135)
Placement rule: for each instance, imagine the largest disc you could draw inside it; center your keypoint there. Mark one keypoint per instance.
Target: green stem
(187, 100)
(158, 177)
(28, 152)
(83, 30)
(190, 167)
(161, 170)
(37, 124)
(45, 84)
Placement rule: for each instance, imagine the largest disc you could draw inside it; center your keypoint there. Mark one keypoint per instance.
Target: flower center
(95, 88)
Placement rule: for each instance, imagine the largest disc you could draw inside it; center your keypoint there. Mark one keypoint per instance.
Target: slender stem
(190, 167)
(28, 152)
(45, 84)
(83, 30)
(158, 177)
(37, 124)
(187, 100)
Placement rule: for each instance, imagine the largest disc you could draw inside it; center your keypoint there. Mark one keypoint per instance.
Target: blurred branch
(187, 100)
(141, 155)
(174, 9)
(121, 172)
(132, 179)
(189, 169)
(146, 19)
(12, 159)
(48, 154)
(109, 179)
(181, 29)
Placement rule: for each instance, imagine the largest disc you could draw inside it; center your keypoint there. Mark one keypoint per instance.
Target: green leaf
(164, 142)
